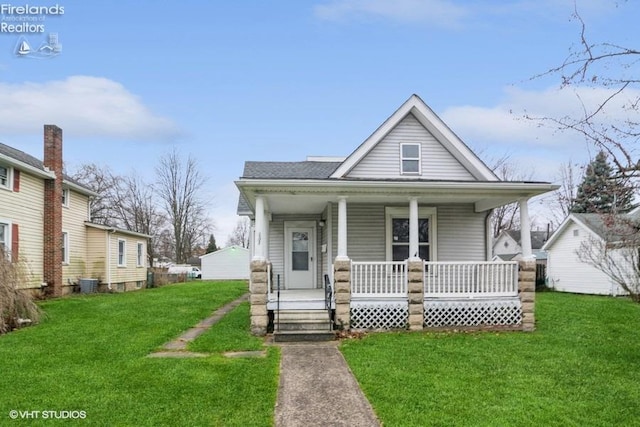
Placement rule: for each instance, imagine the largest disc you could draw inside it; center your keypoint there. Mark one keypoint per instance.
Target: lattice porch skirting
(379, 315)
(452, 313)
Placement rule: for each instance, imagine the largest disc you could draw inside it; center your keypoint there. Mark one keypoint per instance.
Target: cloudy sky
(279, 80)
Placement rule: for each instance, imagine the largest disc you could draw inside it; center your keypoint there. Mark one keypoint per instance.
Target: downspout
(111, 230)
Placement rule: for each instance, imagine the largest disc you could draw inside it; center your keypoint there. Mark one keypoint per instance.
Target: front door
(300, 256)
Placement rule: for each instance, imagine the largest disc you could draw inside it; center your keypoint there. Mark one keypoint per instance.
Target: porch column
(527, 292)
(259, 293)
(342, 289)
(416, 294)
(414, 254)
(342, 230)
(525, 229)
(259, 241)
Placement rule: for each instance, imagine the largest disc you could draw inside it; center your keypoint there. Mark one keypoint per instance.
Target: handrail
(328, 297)
(469, 279)
(278, 305)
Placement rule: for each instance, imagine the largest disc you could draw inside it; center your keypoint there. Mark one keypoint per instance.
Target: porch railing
(378, 279)
(470, 279)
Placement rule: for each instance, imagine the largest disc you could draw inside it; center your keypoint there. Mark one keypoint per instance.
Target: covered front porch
(442, 279)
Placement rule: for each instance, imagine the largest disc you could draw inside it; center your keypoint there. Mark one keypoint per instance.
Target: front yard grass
(89, 354)
(580, 368)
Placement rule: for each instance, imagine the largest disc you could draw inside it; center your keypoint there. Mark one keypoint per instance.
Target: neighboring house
(507, 246)
(565, 272)
(399, 229)
(44, 223)
(229, 263)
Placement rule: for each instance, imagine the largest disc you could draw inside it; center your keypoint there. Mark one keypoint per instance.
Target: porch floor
(297, 299)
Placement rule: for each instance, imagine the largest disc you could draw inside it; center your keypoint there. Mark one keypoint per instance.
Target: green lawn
(580, 368)
(89, 352)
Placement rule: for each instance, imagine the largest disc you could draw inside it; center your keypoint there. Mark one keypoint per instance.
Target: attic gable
(437, 153)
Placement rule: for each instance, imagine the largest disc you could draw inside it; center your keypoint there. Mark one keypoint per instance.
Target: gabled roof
(591, 222)
(538, 238)
(116, 230)
(425, 115)
(31, 164)
(223, 250)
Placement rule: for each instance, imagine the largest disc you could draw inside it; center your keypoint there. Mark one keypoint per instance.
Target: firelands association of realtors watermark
(30, 24)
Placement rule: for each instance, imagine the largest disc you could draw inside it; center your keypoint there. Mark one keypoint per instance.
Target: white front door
(300, 256)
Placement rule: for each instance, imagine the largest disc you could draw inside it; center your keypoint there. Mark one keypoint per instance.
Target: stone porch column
(416, 295)
(342, 289)
(527, 292)
(258, 286)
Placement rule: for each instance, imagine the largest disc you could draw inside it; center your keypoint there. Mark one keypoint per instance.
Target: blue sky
(280, 80)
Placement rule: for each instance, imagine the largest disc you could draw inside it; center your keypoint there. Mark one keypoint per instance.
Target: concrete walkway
(317, 388)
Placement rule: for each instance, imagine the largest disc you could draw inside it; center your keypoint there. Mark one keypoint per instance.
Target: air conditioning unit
(88, 286)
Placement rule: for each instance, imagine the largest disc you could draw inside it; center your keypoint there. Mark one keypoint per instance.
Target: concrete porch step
(303, 336)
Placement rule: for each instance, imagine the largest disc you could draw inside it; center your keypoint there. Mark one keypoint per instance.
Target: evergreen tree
(602, 192)
(211, 246)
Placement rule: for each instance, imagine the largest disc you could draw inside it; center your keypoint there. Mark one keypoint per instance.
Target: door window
(300, 251)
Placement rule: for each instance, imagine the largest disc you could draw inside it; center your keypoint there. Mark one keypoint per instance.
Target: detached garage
(565, 272)
(226, 264)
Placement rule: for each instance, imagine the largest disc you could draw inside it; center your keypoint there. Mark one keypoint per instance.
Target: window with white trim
(5, 237)
(122, 253)
(410, 159)
(5, 177)
(65, 197)
(65, 247)
(140, 254)
(397, 224)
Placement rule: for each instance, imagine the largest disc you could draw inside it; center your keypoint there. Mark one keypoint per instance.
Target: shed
(565, 272)
(229, 263)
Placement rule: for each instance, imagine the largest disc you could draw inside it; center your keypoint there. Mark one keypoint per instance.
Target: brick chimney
(52, 259)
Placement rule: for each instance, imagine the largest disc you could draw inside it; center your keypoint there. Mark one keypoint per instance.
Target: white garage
(226, 264)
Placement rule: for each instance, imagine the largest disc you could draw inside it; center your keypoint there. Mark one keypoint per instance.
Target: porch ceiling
(311, 196)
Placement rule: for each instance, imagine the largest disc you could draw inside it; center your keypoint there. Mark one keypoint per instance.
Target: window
(65, 247)
(65, 197)
(576, 233)
(410, 159)
(5, 177)
(122, 253)
(5, 237)
(398, 234)
(140, 255)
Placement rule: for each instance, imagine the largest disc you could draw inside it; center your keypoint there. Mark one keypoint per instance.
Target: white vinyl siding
(73, 218)
(436, 162)
(226, 264)
(567, 273)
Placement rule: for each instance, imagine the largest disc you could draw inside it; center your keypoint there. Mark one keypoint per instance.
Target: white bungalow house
(565, 271)
(394, 235)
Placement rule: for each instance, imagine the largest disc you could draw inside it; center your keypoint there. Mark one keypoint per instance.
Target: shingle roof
(538, 238)
(289, 170)
(28, 159)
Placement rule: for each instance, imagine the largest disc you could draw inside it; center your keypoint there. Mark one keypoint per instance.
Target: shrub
(16, 305)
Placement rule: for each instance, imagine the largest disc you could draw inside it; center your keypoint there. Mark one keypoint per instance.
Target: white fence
(470, 279)
(378, 279)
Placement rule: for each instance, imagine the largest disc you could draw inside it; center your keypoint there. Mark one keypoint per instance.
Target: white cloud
(441, 13)
(505, 123)
(83, 106)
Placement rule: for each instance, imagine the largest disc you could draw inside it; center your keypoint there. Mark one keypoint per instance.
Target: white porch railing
(470, 279)
(378, 279)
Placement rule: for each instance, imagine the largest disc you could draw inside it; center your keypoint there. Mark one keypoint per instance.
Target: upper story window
(65, 197)
(5, 177)
(65, 247)
(410, 159)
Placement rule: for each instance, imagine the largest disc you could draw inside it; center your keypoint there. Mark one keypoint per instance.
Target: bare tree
(240, 235)
(507, 217)
(136, 209)
(560, 202)
(179, 188)
(610, 72)
(102, 181)
(616, 254)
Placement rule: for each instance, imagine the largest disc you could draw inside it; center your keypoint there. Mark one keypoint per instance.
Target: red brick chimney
(53, 211)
